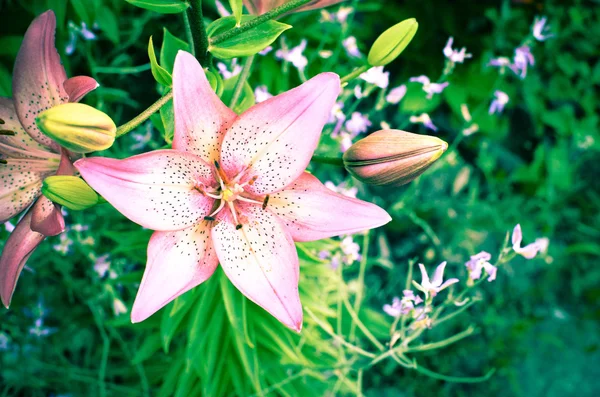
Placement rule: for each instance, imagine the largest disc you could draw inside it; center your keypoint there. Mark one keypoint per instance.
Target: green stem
(188, 32)
(139, 119)
(122, 70)
(243, 77)
(361, 281)
(329, 160)
(246, 26)
(355, 74)
(443, 343)
(198, 30)
(456, 379)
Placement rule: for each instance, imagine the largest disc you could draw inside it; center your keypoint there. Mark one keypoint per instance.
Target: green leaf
(9, 45)
(236, 7)
(160, 74)
(168, 118)
(170, 47)
(83, 9)
(173, 316)
(108, 23)
(246, 99)
(161, 6)
(245, 44)
(392, 42)
(216, 82)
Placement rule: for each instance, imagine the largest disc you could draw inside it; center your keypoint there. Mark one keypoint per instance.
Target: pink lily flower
(258, 7)
(27, 156)
(233, 191)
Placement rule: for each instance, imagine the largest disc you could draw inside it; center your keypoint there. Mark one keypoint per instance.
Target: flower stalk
(139, 119)
(239, 87)
(198, 30)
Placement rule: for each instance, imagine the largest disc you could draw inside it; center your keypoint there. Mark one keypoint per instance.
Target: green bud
(392, 42)
(392, 157)
(77, 127)
(69, 191)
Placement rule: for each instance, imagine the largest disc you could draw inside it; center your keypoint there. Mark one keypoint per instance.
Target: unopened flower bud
(69, 191)
(77, 127)
(392, 157)
(392, 42)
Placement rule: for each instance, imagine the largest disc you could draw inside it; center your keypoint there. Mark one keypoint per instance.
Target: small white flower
(228, 72)
(396, 94)
(497, 105)
(261, 93)
(540, 30)
(425, 120)
(530, 250)
(436, 284)
(295, 56)
(429, 87)
(357, 124)
(377, 76)
(454, 55)
(351, 47)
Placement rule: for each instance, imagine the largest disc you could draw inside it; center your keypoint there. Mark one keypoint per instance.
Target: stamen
(1, 121)
(265, 202)
(233, 213)
(238, 226)
(209, 218)
(2, 161)
(247, 200)
(251, 181)
(7, 132)
(219, 208)
(216, 197)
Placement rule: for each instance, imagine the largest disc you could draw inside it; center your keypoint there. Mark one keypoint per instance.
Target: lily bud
(392, 157)
(77, 127)
(390, 44)
(69, 191)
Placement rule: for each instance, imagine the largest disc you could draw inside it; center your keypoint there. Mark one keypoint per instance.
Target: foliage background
(536, 165)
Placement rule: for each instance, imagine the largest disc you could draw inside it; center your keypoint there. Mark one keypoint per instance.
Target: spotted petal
(200, 117)
(156, 190)
(258, 7)
(275, 140)
(77, 87)
(260, 259)
(18, 248)
(177, 262)
(38, 76)
(313, 212)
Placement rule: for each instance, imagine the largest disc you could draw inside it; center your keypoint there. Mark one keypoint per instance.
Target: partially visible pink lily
(26, 155)
(233, 190)
(258, 7)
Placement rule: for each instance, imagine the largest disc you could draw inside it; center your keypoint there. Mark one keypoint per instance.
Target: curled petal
(18, 248)
(38, 76)
(517, 236)
(260, 259)
(529, 251)
(201, 118)
(160, 190)
(438, 276)
(76, 87)
(274, 140)
(46, 218)
(424, 275)
(177, 262)
(311, 211)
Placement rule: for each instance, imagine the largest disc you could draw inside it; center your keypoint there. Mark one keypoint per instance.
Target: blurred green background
(536, 164)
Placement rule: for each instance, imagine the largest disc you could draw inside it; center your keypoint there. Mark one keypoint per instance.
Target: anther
(2, 161)
(1, 121)
(251, 181)
(7, 132)
(238, 226)
(265, 202)
(209, 218)
(217, 165)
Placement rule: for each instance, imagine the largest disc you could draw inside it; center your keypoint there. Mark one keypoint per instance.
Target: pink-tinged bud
(392, 157)
(258, 7)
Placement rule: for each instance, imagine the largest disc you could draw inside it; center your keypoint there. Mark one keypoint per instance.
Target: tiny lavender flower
(523, 58)
(295, 56)
(479, 262)
(396, 95)
(425, 120)
(351, 47)
(3, 341)
(429, 87)
(39, 329)
(435, 285)
(404, 305)
(454, 55)
(342, 189)
(350, 249)
(540, 30)
(64, 246)
(357, 124)
(501, 63)
(530, 250)
(497, 105)
(228, 72)
(377, 76)
(266, 50)
(261, 93)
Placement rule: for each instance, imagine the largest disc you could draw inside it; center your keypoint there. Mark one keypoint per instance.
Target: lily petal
(38, 76)
(258, 7)
(177, 262)
(19, 246)
(274, 140)
(201, 118)
(19, 145)
(312, 212)
(18, 188)
(157, 190)
(260, 259)
(76, 87)
(46, 218)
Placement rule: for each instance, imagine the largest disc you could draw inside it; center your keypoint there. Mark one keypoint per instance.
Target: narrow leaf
(160, 74)
(161, 6)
